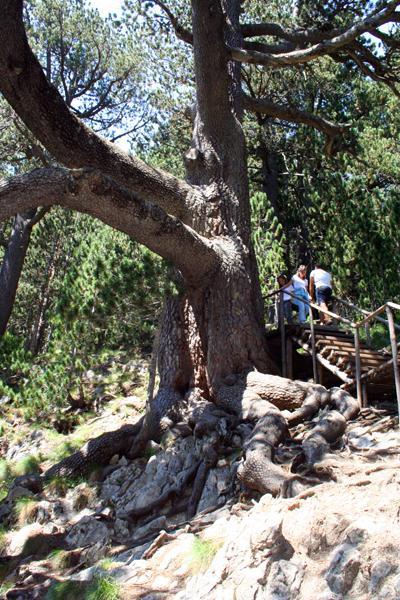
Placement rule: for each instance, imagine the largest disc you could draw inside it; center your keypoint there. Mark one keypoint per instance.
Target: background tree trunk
(13, 261)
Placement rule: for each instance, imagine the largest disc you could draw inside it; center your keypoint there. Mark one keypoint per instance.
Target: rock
(18, 491)
(35, 539)
(88, 531)
(114, 460)
(379, 570)
(284, 580)
(217, 482)
(343, 568)
(134, 554)
(153, 527)
(121, 528)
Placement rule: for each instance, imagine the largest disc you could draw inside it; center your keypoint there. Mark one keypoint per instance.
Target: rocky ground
(110, 536)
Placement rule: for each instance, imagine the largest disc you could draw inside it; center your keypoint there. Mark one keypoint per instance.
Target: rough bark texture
(12, 264)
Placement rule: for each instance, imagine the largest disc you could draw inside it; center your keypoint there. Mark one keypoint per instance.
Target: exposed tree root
(249, 406)
(209, 461)
(97, 451)
(258, 472)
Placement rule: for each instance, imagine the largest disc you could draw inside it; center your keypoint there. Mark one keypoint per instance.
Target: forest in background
(88, 293)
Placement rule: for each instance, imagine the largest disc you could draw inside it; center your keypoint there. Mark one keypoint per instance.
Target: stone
(34, 539)
(88, 531)
(18, 492)
(114, 460)
(284, 580)
(343, 568)
(379, 570)
(153, 527)
(217, 482)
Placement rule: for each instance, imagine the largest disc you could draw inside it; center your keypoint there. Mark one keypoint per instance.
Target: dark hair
(318, 265)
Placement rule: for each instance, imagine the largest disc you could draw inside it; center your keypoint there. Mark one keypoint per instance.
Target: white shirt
(298, 282)
(321, 278)
(286, 297)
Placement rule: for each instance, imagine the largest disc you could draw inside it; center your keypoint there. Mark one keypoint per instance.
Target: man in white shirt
(321, 281)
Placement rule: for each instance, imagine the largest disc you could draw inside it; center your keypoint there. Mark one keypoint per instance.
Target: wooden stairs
(338, 350)
(335, 351)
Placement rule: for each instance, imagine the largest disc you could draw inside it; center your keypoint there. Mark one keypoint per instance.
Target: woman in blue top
(300, 285)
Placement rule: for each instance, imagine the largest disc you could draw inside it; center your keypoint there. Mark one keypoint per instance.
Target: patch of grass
(62, 450)
(59, 486)
(25, 510)
(65, 590)
(4, 587)
(101, 588)
(25, 466)
(203, 552)
(60, 559)
(6, 478)
(3, 539)
(82, 434)
(3, 426)
(5, 471)
(106, 564)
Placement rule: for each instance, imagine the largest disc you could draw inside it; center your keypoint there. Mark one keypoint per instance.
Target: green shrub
(65, 590)
(25, 510)
(60, 559)
(27, 465)
(101, 588)
(5, 471)
(3, 539)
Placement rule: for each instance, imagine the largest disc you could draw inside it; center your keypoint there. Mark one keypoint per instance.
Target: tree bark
(11, 267)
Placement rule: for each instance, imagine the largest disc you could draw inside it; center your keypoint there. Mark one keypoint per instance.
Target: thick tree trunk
(222, 322)
(12, 265)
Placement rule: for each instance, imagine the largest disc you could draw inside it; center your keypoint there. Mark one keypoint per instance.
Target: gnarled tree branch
(45, 113)
(326, 47)
(264, 106)
(98, 195)
(295, 36)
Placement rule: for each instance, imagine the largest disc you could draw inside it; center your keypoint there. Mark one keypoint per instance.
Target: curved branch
(294, 115)
(296, 36)
(96, 194)
(45, 113)
(183, 34)
(325, 47)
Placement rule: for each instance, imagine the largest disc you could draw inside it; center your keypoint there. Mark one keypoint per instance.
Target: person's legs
(304, 309)
(287, 311)
(324, 294)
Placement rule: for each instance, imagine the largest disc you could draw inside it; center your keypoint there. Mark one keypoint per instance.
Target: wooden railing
(388, 308)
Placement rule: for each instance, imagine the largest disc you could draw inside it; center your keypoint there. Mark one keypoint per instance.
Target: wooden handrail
(322, 310)
(366, 312)
(388, 307)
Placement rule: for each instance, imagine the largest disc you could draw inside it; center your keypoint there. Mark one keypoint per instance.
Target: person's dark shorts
(324, 294)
